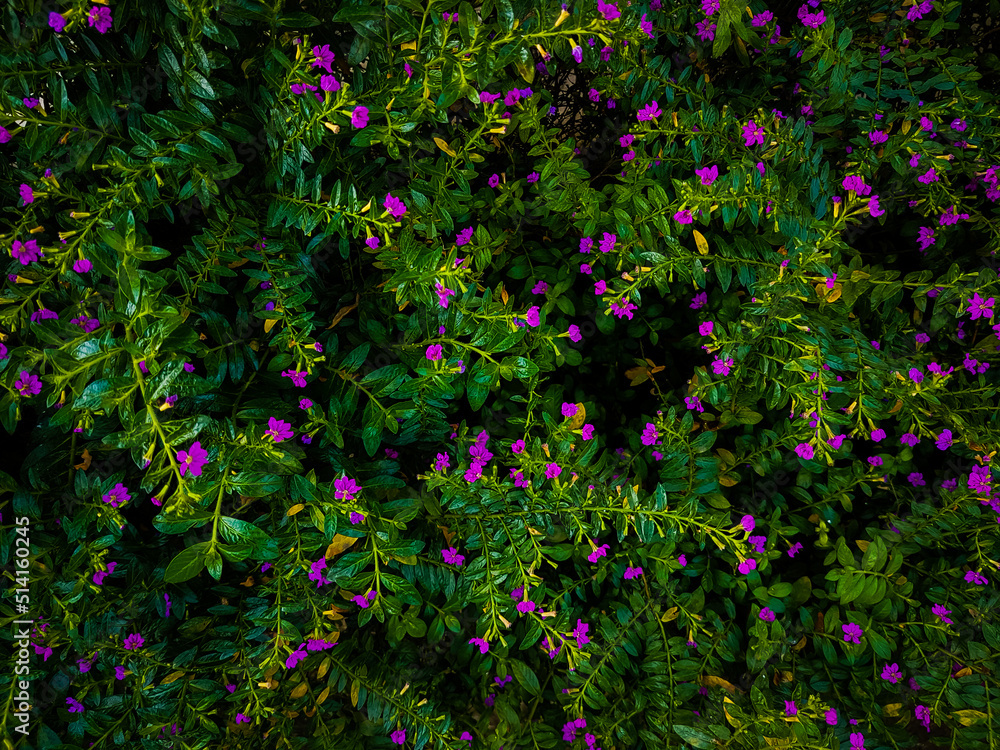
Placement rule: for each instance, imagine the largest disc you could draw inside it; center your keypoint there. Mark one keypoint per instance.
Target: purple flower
(75, 707)
(82, 266)
(705, 329)
(878, 434)
(856, 183)
(298, 377)
(434, 352)
(795, 549)
(747, 565)
(909, 439)
(134, 641)
(940, 612)
(193, 461)
(767, 615)
(753, 133)
(944, 440)
(708, 175)
(396, 207)
(587, 432)
(598, 552)
(804, 450)
(790, 709)
(749, 523)
(857, 741)
(533, 318)
(569, 410)
(852, 632)
(631, 573)
(684, 217)
(578, 54)
(25, 252)
(831, 717)
(278, 430)
(552, 470)
(699, 300)
(359, 117)
(357, 517)
(452, 557)
(874, 208)
(323, 58)
(891, 673)
(345, 488)
(28, 384)
(57, 22)
(99, 18)
(980, 308)
(483, 645)
(329, 83)
(706, 30)
(27, 195)
(650, 112)
(494, 180)
(608, 243)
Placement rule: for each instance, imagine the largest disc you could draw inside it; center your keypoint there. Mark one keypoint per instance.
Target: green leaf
(695, 737)
(851, 586)
(187, 564)
(879, 644)
(525, 677)
(371, 427)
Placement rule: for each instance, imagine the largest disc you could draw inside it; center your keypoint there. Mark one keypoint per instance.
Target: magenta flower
(767, 615)
(494, 180)
(753, 133)
(795, 549)
(877, 137)
(75, 707)
(25, 252)
(193, 461)
(944, 440)
(278, 430)
(708, 175)
(874, 208)
(483, 645)
(857, 741)
(608, 243)
(396, 207)
(608, 10)
(568, 409)
(345, 489)
(706, 30)
(298, 377)
(587, 432)
(134, 641)
(940, 612)
(517, 446)
(323, 57)
(891, 673)
(705, 329)
(27, 195)
(650, 112)
(722, 367)
(452, 557)
(790, 709)
(100, 19)
(747, 565)
(684, 217)
(329, 83)
(82, 266)
(57, 22)
(878, 434)
(578, 54)
(976, 578)
(749, 523)
(598, 552)
(359, 117)
(434, 352)
(631, 573)
(852, 632)
(980, 308)
(650, 435)
(552, 470)
(399, 736)
(28, 384)
(533, 317)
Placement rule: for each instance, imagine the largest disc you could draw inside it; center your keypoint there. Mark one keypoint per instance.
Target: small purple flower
(941, 613)
(57, 22)
(804, 450)
(278, 430)
(99, 18)
(852, 632)
(767, 615)
(891, 673)
(434, 352)
(359, 117)
(134, 641)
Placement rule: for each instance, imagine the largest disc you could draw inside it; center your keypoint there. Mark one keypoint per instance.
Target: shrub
(501, 376)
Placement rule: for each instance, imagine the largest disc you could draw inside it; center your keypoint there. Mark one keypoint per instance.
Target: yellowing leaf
(892, 709)
(968, 717)
(896, 406)
(835, 294)
(268, 325)
(355, 687)
(862, 544)
(443, 145)
(700, 242)
(86, 461)
(340, 544)
(173, 676)
(295, 509)
(670, 614)
(727, 700)
(963, 672)
(713, 681)
(342, 312)
(579, 418)
(409, 45)
(323, 696)
(800, 645)
(729, 480)
(299, 691)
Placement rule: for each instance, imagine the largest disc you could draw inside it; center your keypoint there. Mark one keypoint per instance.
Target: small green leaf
(525, 677)
(187, 564)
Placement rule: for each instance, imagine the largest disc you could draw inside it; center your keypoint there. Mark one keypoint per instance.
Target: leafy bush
(502, 376)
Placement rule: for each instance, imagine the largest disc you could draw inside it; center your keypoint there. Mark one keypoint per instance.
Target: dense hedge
(422, 374)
